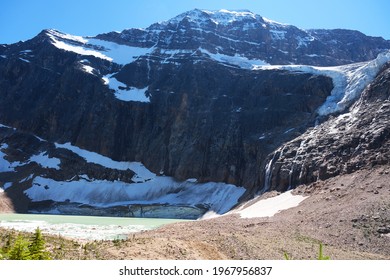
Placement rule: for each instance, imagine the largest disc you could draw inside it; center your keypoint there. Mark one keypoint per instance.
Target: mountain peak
(218, 17)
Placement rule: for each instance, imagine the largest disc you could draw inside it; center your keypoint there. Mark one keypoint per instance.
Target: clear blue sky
(23, 19)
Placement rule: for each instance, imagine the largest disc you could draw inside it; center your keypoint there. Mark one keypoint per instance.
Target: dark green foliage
(23, 249)
(19, 250)
(37, 247)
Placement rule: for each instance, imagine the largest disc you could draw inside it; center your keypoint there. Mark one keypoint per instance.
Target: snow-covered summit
(219, 17)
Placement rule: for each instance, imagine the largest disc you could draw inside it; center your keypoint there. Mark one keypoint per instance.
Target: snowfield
(121, 54)
(262, 208)
(270, 206)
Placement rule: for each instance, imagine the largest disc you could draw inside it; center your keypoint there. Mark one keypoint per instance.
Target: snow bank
(5, 165)
(43, 160)
(270, 206)
(125, 93)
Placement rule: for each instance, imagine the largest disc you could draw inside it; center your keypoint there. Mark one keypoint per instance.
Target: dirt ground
(349, 214)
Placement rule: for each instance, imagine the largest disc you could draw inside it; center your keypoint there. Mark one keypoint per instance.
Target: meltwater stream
(81, 227)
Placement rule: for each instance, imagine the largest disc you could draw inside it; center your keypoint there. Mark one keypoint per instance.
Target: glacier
(147, 189)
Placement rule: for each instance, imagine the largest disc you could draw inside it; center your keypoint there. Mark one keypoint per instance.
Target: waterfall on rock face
(268, 175)
(290, 177)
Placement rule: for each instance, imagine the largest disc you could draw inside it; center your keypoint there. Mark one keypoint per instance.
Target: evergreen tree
(37, 247)
(19, 250)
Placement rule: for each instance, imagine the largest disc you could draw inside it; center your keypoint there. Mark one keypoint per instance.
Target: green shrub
(23, 249)
(320, 254)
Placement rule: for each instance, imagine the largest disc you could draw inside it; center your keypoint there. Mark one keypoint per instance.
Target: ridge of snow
(77, 49)
(237, 60)
(113, 52)
(275, 23)
(141, 172)
(65, 36)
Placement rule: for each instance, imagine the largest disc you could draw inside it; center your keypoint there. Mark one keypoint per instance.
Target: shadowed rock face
(343, 144)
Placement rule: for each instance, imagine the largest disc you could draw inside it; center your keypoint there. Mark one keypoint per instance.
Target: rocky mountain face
(198, 97)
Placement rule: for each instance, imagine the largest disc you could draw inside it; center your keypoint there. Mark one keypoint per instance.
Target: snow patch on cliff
(124, 92)
(45, 161)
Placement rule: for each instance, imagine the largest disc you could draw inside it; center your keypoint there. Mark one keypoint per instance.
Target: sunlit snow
(45, 161)
(237, 60)
(88, 69)
(5, 165)
(121, 54)
(270, 206)
(142, 173)
(125, 93)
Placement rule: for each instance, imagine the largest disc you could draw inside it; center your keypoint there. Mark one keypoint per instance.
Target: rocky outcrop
(359, 138)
